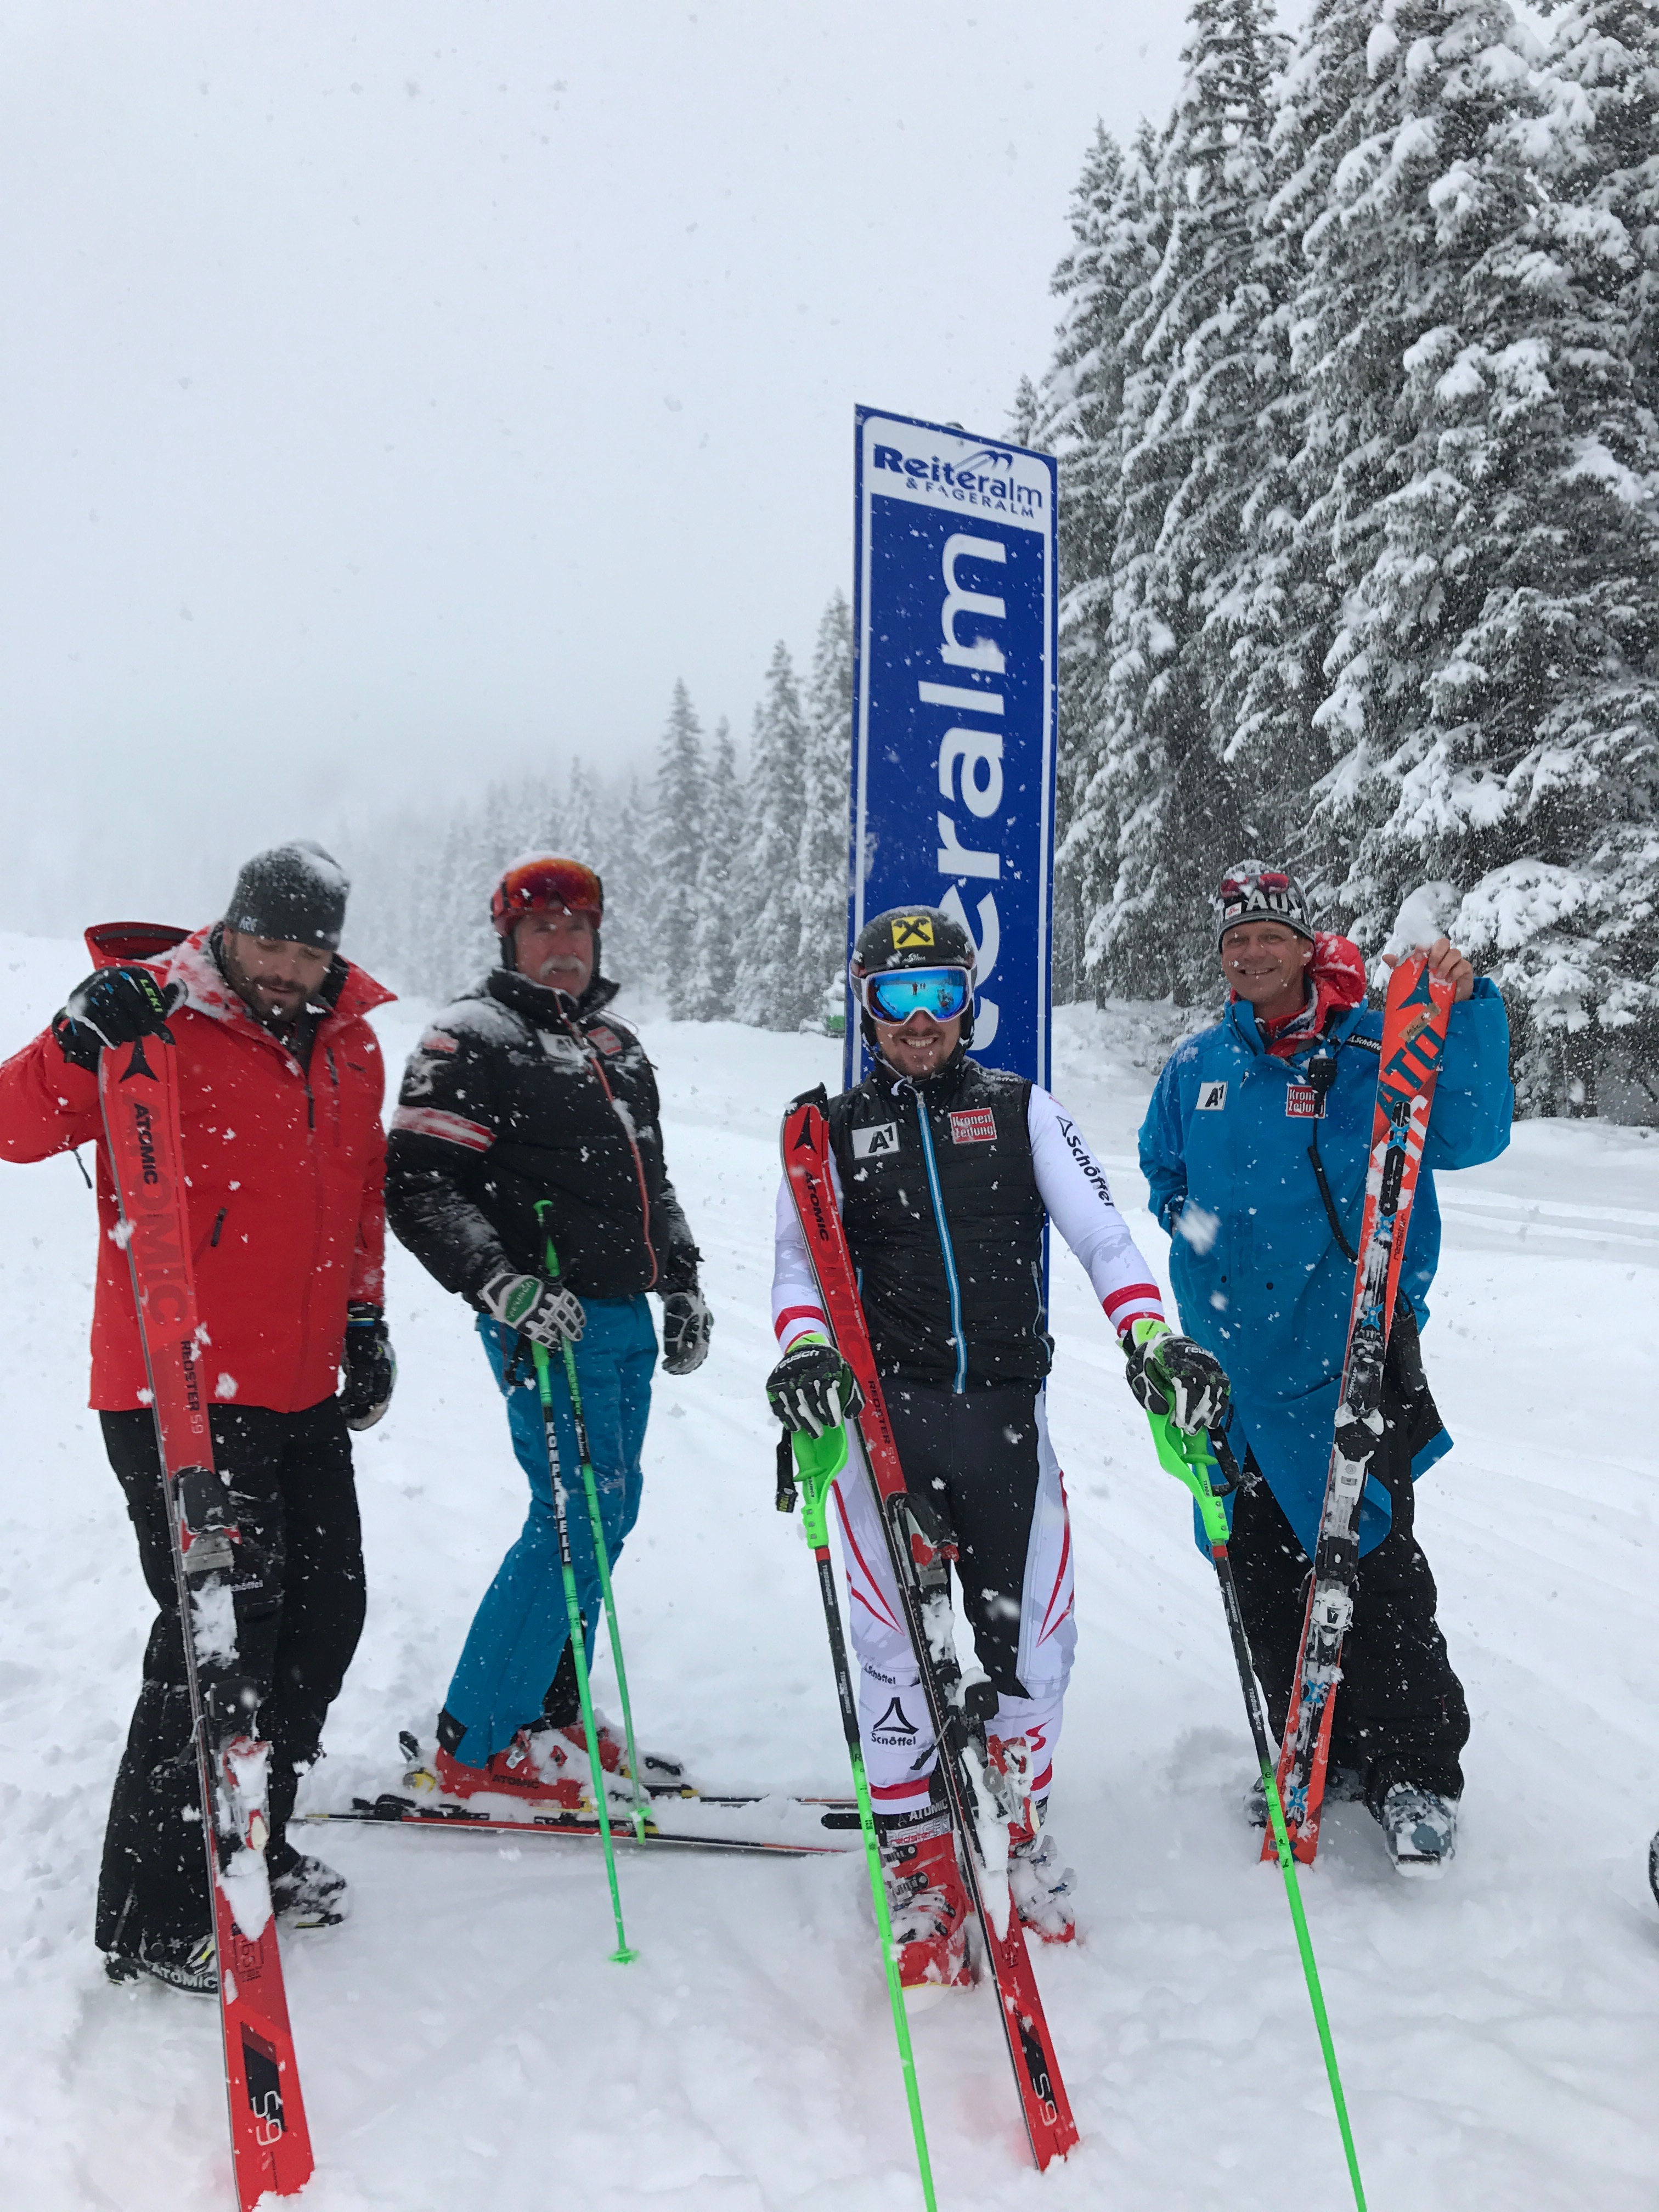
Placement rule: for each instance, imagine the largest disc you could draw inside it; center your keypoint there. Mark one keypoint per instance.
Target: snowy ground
(466, 2042)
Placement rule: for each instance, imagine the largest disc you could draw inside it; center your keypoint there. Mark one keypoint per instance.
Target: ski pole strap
(1189, 1459)
(818, 1461)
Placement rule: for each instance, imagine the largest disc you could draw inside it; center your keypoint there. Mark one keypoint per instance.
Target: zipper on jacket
(219, 1223)
(592, 1059)
(958, 1336)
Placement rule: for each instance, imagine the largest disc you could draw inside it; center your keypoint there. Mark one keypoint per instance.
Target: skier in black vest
(529, 1089)
(946, 1173)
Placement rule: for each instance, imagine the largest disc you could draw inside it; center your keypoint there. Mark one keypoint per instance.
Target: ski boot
(189, 1963)
(660, 1776)
(1040, 1885)
(306, 1892)
(1419, 1828)
(538, 1767)
(929, 1909)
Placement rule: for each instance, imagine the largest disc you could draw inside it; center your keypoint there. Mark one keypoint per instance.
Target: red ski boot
(929, 1909)
(538, 1767)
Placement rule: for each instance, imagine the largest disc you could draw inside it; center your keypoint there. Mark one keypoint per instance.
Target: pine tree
(768, 991)
(1496, 675)
(574, 828)
(1105, 285)
(631, 939)
(676, 842)
(825, 791)
(715, 967)
(1189, 414)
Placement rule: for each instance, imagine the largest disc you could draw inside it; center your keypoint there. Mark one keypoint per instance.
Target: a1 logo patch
(1211, 1097)
(871, 1143)
(975, 1125)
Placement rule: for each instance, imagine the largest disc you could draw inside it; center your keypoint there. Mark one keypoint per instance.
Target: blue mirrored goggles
(898, 993)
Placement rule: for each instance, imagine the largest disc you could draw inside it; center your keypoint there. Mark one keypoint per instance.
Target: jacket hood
(188, 959)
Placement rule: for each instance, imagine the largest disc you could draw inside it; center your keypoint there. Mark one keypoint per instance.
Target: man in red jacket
(281, 1082)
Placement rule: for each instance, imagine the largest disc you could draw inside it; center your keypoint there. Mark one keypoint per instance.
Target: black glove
(687, 1326)
(1172, 1375)
(371, 1366)
(114, 1005)
(543, 1312)
(813, 1388)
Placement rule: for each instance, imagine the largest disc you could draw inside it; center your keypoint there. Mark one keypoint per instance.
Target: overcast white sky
(392, 394)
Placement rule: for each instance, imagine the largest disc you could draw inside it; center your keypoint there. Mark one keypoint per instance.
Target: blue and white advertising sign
(953, 709)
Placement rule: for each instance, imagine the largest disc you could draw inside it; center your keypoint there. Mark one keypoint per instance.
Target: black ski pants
(1400, 1712)
(300, 1602)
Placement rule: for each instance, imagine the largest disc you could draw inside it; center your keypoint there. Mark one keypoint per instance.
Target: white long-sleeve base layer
(1075, 1191)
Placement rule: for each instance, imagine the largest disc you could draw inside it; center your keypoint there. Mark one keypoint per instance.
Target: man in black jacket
(528, 1089)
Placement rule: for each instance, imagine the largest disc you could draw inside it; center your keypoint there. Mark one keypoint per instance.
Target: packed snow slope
(464, 2040)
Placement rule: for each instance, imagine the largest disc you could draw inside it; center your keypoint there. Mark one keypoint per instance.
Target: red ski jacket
(285, 1169)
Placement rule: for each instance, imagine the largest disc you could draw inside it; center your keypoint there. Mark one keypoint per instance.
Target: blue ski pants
(519, 1631)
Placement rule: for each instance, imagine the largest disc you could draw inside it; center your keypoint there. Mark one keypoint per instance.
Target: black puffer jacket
(944, 1222)
(514, 1095)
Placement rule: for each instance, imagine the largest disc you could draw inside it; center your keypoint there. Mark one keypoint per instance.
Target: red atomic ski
(1414, 1039)
(270, 2141)
(919, 1569)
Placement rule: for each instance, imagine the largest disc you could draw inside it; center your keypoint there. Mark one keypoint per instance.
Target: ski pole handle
(818, 1461)
(1188, 1458)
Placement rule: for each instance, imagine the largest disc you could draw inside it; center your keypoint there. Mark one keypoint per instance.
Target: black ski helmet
(912, 937)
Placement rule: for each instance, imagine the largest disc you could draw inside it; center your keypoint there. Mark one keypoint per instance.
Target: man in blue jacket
(1255, 1147)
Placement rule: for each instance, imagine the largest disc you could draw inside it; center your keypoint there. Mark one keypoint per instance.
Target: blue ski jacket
(1258, 1274)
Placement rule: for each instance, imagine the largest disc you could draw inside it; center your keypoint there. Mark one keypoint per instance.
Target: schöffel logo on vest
(976, 1124)
(607, 1040)
(870, 1144)
(1211, 1097)
(1304, 1103)
(895, 1725)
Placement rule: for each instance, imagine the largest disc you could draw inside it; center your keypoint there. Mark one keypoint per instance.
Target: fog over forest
(408, 394)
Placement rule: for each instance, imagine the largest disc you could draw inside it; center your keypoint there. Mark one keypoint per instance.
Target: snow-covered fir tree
(826, 784)
(675, 842)
(715, 967)
(1189, 412)
(1495, 697)
(767, 915)
(1079, 418)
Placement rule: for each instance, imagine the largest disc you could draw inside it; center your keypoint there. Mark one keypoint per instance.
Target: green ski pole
(544, 1207)
(818, 1461)
(1189, 1459)
(622, 1955)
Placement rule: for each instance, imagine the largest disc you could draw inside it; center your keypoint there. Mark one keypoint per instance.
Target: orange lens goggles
(544, 882)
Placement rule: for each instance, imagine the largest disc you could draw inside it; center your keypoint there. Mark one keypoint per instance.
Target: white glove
(539, 1311)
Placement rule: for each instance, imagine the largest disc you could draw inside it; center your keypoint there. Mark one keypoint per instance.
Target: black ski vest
(944, 1222)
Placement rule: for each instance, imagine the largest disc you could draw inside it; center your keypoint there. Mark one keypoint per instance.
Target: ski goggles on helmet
(536, 885)
(1250, 892)
(895, 994)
